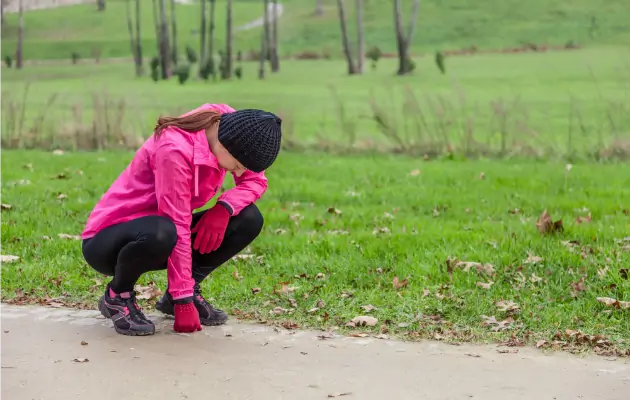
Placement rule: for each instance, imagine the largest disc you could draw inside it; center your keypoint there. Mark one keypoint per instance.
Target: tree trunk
(319, 7)
(344, 37)
(19, 62)
(264, 42)
(202, 48)
(2, 18)
(134, 46)
(156, 24)
(360, 41)
(227, 73)
(165, 54)
(267, 31)
(100, 5)
(275, 60)
(139, 40)
(211, 41)
(174, 32)
(402, 42)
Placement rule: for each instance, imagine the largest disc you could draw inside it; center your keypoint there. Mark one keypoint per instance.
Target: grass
(319, 267)
(554, 104)
(454, 24)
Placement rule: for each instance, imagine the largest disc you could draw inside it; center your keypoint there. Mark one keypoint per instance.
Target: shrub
(439, 61)
(155, 68)
(183, 72)
(8, 60)
(308, 55)
(75, 57)
(207, 68)
(374, 54)
(238, 71)
(191, 55)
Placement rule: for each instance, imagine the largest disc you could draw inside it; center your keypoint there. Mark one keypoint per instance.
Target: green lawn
(55, 34)
(562, 103)
(397, 217)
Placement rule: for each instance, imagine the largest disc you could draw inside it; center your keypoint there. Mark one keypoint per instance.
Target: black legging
(130, 249)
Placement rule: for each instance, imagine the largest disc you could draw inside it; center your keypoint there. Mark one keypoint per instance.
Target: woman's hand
(211, 228)
(186, 316)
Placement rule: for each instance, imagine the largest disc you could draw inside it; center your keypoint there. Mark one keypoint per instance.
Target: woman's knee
(251, 220)
(163, 236)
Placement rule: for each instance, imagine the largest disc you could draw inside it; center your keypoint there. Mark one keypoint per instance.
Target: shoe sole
(127, 332)
(206, 322)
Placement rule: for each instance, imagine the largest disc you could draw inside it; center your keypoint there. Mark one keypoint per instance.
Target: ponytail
(191, 123)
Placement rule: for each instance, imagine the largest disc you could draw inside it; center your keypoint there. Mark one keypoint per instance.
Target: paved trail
(246, 361)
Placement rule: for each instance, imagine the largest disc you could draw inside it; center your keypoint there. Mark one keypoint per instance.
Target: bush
(308, 55)
(183, 72)
(238, 71)
(75, 57)
(8, 61)
(155, 68)
(191, 55)
(374, 54)
(439, 61)
(207, 69)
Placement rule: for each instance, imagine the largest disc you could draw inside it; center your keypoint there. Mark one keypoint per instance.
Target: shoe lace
(199, 296)
(133, 307)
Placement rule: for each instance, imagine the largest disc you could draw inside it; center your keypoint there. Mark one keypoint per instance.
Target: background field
(487, 24)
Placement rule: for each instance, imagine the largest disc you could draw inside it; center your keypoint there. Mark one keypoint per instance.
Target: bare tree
(275, 60)
(2, 3)
(156, 23)
(267, 30)
(264, 42)
(136, 47)
(344, 38)
(360, 41)
(405, 65)
(174, 32)
(202, 48)
(139, 38)
(19, 52)
(211, 41)
(100, 5)
(227, 68)
(319, 7)
(165, 58)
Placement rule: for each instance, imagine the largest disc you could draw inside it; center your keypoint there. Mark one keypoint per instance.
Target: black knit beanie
(252, 137)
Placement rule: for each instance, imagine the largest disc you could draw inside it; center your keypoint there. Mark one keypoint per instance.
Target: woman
(145, 221)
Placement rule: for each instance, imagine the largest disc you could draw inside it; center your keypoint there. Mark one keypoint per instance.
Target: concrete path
(246, 361)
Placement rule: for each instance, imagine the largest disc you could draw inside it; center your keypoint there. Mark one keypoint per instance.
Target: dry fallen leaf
(545, 224)
(256, 290)
(81, 360)
(148, 292)
(236, 275)
(426, 292)
(280, 231)
(467, 265)
(333, 210)
(7, 258)
(6, 206)
(67, 236)
(84, 343)
(320, 276)
(482, 176)
(507, 306)
(415, 172)
(497, 325)
(398, 284)
(362, 320)
(532, 259)
(359, 334)
(506, 351)
(62, 196)
(58, 152)
(472, 355)
(485, 285)
(279, 310)
(340, 394)
(368, 308)
(541, 343)
(580, 219)
(609, 301)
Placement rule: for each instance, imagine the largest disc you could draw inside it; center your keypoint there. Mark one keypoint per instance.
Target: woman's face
(226, 161)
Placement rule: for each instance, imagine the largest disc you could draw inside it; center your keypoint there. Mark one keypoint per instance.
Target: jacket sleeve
(250, 187)
(173, 182)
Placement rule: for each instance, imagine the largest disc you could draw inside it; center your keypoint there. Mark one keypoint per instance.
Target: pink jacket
(172, 176)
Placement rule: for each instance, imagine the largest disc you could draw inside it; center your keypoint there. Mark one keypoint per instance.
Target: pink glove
(186, 318)
(211, 228)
